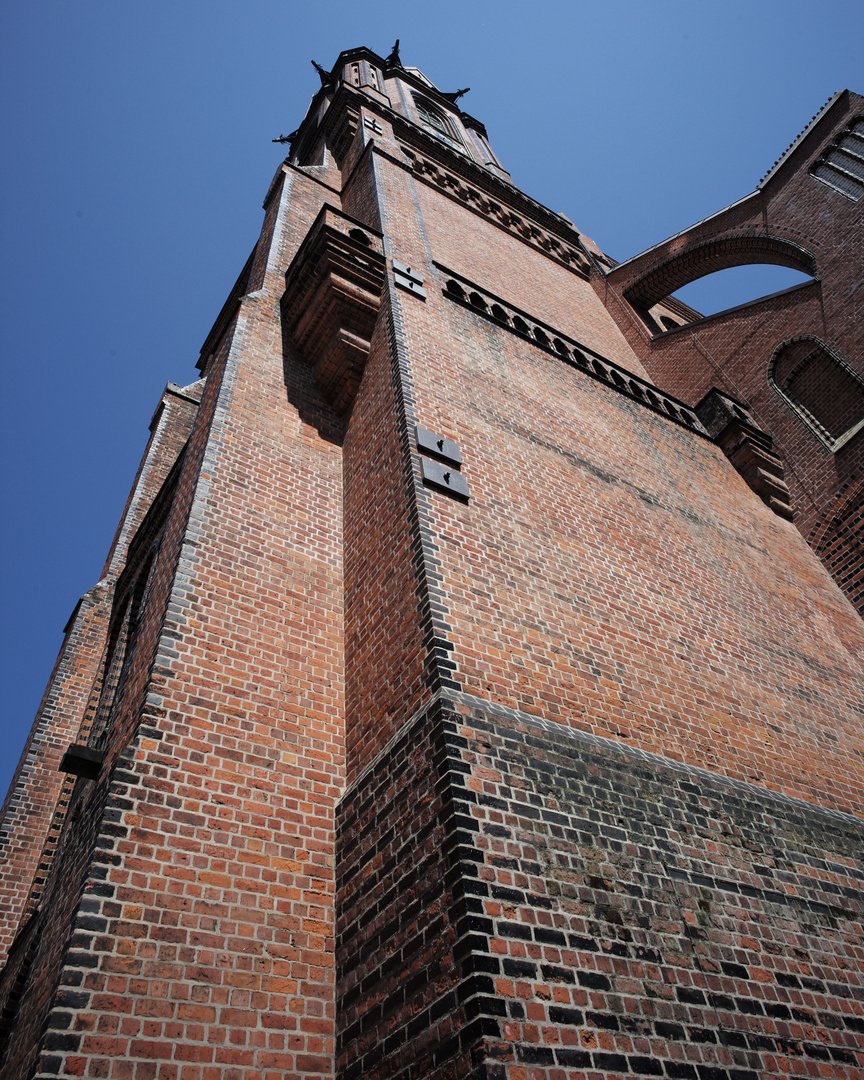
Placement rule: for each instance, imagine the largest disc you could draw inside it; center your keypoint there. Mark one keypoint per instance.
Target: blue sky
(137, 151)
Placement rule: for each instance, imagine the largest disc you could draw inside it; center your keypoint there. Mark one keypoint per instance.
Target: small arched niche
(818, 384)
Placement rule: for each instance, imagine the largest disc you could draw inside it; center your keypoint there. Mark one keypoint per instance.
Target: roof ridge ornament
(393, 59)
(325, 76)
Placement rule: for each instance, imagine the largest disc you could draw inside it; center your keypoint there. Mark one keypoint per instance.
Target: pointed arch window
(435, 122)
(821, 387)
(122, 638)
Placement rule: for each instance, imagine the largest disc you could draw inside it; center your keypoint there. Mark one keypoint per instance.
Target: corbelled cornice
(332, 294)
(439, 165)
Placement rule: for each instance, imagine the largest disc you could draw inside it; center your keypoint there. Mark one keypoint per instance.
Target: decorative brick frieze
(493, 208)
(733, 428)
(332, 295)
(491, 307)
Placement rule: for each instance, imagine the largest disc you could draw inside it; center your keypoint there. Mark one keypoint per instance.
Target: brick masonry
(796, 220)
(34, 811)
(554, 779)
(530, 901)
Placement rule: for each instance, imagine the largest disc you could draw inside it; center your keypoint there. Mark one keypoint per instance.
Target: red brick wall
(169, 429)
(519, 900)
(389, 563)
(590, 720)
(576, 576)
(36, 804)
(37, 785)
(611, 576)
(688, 362)
(521, 275)
(386, 667)
(734, 350)
(198, 872)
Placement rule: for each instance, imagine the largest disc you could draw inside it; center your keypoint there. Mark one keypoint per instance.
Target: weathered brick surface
(607, 557)
(197, 874)
(35, 807)
(37, 786)
(403, 944)
(546, 903)
(838, 539)
(471, 245)
(170, 428)
(600, 723)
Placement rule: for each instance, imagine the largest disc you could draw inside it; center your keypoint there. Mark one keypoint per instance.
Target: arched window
(118, 639)
(822, 388)
(437, 123)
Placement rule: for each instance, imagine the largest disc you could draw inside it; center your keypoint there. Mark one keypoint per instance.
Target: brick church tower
(461, 697)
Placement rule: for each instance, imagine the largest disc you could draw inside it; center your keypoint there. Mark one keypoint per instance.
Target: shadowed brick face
(559, 779)
(35, 806)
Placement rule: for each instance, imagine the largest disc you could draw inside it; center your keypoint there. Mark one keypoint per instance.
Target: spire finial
(326, 77)
(393, 59)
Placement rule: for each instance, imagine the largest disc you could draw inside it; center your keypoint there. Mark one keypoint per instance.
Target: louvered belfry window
(842, 165)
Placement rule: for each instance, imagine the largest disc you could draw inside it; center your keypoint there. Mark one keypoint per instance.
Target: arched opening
(437, 123)
(825, 392)
(761, 265)
(455, 289)
(118, 640)
(736, 285)
(838, 540)
(125, 623)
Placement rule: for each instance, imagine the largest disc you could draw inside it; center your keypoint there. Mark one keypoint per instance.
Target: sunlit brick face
(465, 705)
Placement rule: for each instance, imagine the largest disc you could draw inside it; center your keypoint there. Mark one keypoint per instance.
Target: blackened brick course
(678, 945)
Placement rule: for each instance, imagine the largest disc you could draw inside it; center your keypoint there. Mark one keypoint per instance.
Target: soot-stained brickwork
(551, 770)
(522, 900)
